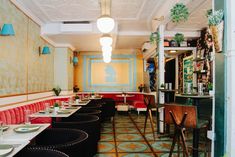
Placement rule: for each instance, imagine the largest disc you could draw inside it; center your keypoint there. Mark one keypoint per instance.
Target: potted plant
(179, 13)
(179, 37)
(56, 107)
(162, 86)
(57, 90)
(210, 88)
(154, 38)
(141, 87)
(216, 24)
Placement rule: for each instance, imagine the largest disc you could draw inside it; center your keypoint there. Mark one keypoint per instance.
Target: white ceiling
(133, 18)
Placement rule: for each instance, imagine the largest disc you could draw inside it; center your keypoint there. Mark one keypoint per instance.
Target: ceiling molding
(56, 44)
(189, 34)
(27, 11)
(134, 33)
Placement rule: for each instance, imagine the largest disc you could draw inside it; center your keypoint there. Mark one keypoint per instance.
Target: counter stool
(149, 101)
(182, 116)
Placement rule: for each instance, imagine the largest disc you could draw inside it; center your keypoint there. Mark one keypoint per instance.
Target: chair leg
(151, 121)
(185, 149)
(173, 142)
(146, 118)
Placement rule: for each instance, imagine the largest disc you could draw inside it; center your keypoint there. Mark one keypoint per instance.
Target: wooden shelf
(199, 59)
(200, 72)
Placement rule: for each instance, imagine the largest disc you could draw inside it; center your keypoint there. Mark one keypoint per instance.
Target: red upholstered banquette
(16, 115)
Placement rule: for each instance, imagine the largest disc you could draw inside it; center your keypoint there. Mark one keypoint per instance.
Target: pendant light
(106, 40)
(107, 59)
(105, 24)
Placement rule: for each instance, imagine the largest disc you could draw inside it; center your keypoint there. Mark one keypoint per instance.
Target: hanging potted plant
(216, 25)
(179, 37)
(154, 38)
(179, 13)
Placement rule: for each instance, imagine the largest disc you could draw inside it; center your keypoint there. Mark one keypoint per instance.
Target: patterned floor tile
(129, 137)
(106, 147)
(109, 125)
(107, 130)
(106, 137)
(105, 155)
(136, 155)
(149, 137)
(126, 130)
(162, 146)
(132, 147)
(148, 125)
(147, 130)
(123, 125)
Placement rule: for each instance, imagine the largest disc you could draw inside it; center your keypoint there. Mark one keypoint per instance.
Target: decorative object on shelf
(179, 37)
(166, 43)
(173, 43)
(7, 30)
(210, 88)
(141, 87)
(179, 13)
(154, 38)
(57, 90)
(216, 25)
(162, 86)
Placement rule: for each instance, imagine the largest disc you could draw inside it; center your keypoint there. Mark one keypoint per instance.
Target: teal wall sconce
(44, 51)
(7, 30)
(75, 58)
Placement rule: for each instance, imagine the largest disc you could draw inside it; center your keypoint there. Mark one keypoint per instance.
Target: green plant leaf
(179, 13)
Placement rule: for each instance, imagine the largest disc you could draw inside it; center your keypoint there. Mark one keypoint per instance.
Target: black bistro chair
(40, 152)
(87, 123)
(69, 141)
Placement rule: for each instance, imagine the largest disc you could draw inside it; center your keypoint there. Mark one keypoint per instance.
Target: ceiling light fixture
(107, 54)
(105, 24)
(107, 59)
(106, 40)
(107, 48)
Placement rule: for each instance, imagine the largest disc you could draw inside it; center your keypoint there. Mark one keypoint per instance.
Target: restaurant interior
(117, 78)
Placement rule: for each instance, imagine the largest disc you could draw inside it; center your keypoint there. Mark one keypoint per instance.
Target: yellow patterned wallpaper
(22, 70)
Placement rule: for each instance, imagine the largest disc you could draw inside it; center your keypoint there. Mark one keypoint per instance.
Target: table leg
(195, 142)
(195, 134)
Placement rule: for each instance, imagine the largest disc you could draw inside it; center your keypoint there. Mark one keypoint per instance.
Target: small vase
(56, 109)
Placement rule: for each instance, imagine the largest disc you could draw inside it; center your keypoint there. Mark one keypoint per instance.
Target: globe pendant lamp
(107, 54)
(106, 40)
(107, 59)
(107, 48)
(105, 24)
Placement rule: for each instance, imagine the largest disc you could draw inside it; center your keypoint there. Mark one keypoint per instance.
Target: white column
(161, 63)
(230, 78)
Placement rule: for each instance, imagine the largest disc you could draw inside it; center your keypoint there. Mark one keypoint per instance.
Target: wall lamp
(7, 30)
(44, 51)
(75, 58)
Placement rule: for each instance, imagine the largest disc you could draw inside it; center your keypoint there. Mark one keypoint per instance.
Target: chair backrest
(149, 101)
(178, 112)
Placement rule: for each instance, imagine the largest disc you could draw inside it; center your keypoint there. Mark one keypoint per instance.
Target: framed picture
(187, 72)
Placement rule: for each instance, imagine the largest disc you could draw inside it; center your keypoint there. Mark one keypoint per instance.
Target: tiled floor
(123, 137)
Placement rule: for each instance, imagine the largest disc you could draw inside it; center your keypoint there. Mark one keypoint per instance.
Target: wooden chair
(182, 117)
(149, 101)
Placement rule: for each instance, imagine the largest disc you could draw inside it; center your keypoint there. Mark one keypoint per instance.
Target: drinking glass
(27, 118)
(1, 130)
(47, 107)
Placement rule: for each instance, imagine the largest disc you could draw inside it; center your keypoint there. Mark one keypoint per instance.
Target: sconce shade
(7, 29)
(46, 50)
(75, 59)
